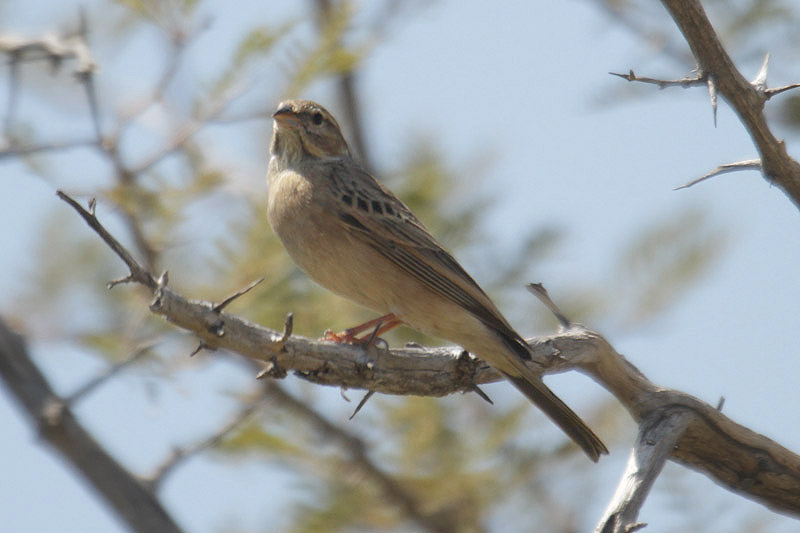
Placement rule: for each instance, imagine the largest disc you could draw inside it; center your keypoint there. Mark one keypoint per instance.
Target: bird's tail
(561, 414)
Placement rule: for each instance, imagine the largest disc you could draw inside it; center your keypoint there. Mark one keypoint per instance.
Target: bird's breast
(306, 223)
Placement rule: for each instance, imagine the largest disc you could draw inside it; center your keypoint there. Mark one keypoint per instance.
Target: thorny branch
(745, 462)
(126, 174)
(742, 460)
(746, 98)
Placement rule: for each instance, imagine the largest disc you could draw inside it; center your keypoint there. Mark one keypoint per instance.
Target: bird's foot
(379, 325)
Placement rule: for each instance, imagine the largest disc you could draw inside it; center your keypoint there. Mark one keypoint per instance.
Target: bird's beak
(285, 115)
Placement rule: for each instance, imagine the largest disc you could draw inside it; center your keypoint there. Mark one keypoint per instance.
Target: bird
(353, 236)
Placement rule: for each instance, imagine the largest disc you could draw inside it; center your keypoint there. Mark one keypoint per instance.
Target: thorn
(366, 397)
(477, 390)
(371, 340)
(720, 403)
(540, 292)
(220, 306)
(342, 393)
(158, 291)
(630, 76)
(712, 94)
(760, 81)
(92, 205)
(201, 346)
(272, 370)
(288, 325)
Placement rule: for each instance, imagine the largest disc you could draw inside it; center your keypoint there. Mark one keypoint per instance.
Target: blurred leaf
(252, 438)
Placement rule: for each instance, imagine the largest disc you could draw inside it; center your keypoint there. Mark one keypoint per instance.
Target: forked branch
(742, 460)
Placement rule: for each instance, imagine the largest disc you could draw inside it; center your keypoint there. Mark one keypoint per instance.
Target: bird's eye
(317, 118)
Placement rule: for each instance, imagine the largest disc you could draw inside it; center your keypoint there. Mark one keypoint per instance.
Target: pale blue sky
(522, 81)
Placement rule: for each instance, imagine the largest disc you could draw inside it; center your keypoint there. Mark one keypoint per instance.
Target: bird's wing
(371, 213)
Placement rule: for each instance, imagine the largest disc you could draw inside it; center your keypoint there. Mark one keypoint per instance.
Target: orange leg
(382, 323)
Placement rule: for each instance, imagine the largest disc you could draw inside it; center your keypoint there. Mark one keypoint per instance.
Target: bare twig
(700, 79)
(181, 455)
(14, 150)
(750, 164)
(137, 273)
(769, 93)
(110, 372)
(51, 48)
(662, 84)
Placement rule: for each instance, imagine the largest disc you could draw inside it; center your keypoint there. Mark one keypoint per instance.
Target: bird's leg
(383, 323)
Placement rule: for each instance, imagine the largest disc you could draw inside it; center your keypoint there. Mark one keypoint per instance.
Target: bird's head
(303, 129)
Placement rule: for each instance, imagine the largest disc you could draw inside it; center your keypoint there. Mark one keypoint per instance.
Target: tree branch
(743, 461)
(130, 499)
(746, 99)
(654, 444)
